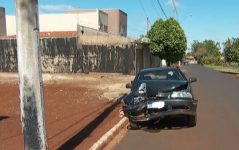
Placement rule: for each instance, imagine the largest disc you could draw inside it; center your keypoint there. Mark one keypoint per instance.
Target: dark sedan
(157, 93)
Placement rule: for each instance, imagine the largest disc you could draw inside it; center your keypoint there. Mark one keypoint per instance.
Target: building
(3, 30)
(117, 21)
(112, 21)
(94, 19)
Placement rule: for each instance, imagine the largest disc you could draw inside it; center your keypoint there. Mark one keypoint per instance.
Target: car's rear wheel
(192, 121)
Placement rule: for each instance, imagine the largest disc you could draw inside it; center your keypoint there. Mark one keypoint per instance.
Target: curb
(108, 136)
(119, 98)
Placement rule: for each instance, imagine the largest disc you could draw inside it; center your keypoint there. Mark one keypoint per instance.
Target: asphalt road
(218, 119)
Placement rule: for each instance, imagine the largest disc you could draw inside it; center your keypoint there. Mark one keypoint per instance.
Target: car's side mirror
(129, 85)
(192, 79)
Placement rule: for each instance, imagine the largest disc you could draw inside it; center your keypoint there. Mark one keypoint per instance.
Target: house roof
(56, 34)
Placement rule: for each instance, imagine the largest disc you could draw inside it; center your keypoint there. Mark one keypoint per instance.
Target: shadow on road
(74, 141)
(169, 123)
(3, 117)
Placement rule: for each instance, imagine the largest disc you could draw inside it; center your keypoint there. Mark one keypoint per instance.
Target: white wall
(60, 22)
(11, 25)
(89, 19)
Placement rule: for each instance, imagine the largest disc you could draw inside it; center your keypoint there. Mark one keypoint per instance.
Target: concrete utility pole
(29, 68)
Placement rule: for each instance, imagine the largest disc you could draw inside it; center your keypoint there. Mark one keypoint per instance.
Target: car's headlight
(181, 95)
(140, 94)
(142, 88)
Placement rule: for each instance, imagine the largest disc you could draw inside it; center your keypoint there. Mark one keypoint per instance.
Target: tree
(168, 40)
(198, 50)
(212, 48)
(207, 52)
(231, 50)
(141, 36)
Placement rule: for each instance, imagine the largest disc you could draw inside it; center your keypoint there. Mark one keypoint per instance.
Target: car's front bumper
(140, 112)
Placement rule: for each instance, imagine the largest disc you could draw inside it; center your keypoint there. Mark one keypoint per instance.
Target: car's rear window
(161, 75)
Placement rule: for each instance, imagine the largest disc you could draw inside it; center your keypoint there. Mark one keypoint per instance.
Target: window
(161, 75)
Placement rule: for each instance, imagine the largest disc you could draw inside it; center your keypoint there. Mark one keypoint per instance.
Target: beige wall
(113, 21)
(117, 22)
(64, 22)
(91, 36)
(2, 21)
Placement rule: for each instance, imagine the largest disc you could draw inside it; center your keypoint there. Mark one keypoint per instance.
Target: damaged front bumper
(142, 112)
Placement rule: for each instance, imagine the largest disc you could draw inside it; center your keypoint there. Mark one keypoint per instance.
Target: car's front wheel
(192, 121)
(134, 125)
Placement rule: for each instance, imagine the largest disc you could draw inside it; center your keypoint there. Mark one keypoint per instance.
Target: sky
(216, 20)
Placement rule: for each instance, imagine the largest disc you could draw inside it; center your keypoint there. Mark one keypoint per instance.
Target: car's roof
(158, 69)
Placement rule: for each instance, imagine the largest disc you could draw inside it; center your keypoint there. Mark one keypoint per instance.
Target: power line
(161, 7)
(175, 9)
(154, 5)
(148, 20)
(138, 30)
(142, 6)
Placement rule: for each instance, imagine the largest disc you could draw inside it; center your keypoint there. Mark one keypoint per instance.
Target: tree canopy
(206, 52)
(231, 50)
(168, 40)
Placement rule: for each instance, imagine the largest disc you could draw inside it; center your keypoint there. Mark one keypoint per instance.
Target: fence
(8, 55)
(62, 55)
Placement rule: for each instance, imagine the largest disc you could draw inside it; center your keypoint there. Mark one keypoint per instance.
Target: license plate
(155, 105)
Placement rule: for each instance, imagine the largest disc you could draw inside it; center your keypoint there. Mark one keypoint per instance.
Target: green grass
(225, 69)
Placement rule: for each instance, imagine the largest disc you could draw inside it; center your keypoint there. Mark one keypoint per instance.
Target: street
(217, 125)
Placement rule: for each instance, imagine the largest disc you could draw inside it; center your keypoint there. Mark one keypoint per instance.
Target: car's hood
(154, 87)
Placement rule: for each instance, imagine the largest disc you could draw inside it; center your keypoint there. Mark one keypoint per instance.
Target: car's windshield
(169, 74)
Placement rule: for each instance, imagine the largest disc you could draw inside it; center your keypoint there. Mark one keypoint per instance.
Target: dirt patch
(111, 85)
(78, 108)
